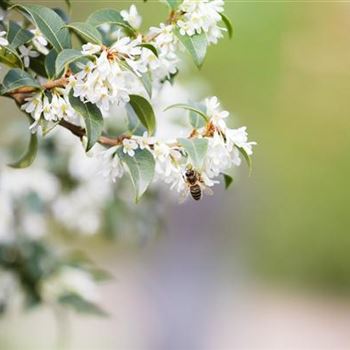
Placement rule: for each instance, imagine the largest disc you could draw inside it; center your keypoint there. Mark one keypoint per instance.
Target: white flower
(132, 17)
(34, 107)
(103, 82)
(27, 53)
(3, 41)
(161, 151)
(111, 166)
(39, 41)
(48, 112)
(218, 157)
(201, 16)
(129, 147)
(213, 111)
(239, 138)
(144, 141)
(61, 107)
(90, 49)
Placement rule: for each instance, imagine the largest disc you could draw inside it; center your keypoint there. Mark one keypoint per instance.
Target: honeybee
(195, 184)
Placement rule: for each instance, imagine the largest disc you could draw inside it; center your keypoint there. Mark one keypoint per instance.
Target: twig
(103, 140)
(22, 93)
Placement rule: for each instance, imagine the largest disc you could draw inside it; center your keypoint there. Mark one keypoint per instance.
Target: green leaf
(135, 127)
(47, 126)
(189, 108)
(50, 24)
(145, 79)
(50, 64)
(144, 112)
(68, 3)
(92, 117)
(247, 157)
(62, 14)
(38, 65)
(65, 58)
(10, 57)
(173, 4)
(196, 120)
(196, 149)
(196, 45)
(150, 47)
(110, 16)
(18, 36)
(28, 157)
(81, 305)
(228, 25)
(17, 78)
(86, 31)
(141, 169)
(228, 180)
(105, 16)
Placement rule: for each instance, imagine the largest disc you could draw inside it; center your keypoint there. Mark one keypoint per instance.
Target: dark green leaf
(247, 158)
(196, 45)
(50, 63)
(144, 112)
(68, 3)
(65, 58)
(17, 78)
(38, 65)
(151, 48)
(81, 305)
(228, 24)
(189, 108)
(50, 24)
(86, 31)
(28, 157)
(62, 14)
(141, 169)
(228, 180)
(196, 149)
(135, 127)
(92, 117)
(10, 57)
(18, 36)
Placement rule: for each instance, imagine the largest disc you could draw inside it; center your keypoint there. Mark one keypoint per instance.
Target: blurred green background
(285, 75)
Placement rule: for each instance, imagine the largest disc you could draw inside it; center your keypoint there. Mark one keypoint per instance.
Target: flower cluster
(202, 16)
(111, 77)
(171, 159)
(106, 76)
(52, 108)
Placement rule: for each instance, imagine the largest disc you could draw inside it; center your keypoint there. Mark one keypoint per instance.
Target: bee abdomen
(196, 192)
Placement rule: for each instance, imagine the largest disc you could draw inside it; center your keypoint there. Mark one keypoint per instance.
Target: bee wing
(183, 195)
(207, 190)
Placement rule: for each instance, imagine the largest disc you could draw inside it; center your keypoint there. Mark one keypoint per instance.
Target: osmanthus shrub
(59, 85)
(112, 69)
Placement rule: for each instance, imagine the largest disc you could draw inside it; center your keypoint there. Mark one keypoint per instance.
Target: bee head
(189, 173)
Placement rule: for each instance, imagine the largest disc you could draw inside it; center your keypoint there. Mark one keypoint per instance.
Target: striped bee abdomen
(196, 192)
